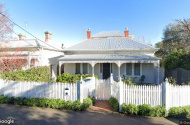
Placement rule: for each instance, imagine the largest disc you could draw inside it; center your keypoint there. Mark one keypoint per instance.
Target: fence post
(165, 91)
(94, 85)
(120, 94)
(111, 82)
(80, 90)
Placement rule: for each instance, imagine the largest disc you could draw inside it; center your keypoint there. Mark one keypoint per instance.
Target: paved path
(43, 116)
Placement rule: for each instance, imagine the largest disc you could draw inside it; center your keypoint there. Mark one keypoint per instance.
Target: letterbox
(67, 91)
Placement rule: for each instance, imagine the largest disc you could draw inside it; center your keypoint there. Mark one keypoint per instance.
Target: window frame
(83, 68)
(126, 69)
(76, 68)
(133, 70)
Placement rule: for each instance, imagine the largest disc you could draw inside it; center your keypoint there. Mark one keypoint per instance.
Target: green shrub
(69, 78)
(129, 109)
(141, 80)
(43, 102)
(187, 110)
(179, 111)
(61, 104)
(2, 99)
(114, 103)
(77, 106)
(52, 103)
(19, 101)
(129, 80)
(86, 104)
(9, 100)
(158, 111)
(68, 105)
(177, 59)
(31, 102)
(93, 100)
(144, 110)
(37, 74)
(49, 103)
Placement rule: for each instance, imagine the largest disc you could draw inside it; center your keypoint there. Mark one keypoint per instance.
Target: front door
(106, 70)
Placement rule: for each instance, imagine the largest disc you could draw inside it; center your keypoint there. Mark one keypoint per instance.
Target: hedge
(69, 78)
(37, 74)
(129, 109)
(144, 110)
(158, 111)
(48, 103)
(179, 112)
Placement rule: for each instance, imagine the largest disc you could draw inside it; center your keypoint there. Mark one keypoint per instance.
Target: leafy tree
(10, 59)
(176, 36)
(177, 59)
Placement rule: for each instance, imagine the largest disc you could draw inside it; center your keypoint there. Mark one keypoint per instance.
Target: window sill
(133, 76)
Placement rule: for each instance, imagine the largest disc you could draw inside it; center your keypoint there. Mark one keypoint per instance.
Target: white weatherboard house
(36, 52)
(113, 52)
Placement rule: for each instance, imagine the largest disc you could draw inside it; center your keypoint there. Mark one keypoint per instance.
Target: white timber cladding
(50, 57)
(69, 68)
(146, 69)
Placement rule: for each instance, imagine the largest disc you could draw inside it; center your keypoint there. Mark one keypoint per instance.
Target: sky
(68, 20)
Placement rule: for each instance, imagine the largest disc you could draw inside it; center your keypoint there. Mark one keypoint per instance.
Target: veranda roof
(108, 57)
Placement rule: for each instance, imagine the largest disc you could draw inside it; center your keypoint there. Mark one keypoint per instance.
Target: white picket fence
(162, 94)
(176, 96)
(115, 89)
(142, 94)
(38, 90)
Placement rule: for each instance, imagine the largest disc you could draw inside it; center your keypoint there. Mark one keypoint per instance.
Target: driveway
(43, 116)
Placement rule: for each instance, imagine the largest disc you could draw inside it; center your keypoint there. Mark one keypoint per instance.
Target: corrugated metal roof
(109, 34)
(110, 44)
(107, 57)
(29, 43)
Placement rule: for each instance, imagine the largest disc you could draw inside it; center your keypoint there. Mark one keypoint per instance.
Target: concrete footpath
(23, 115)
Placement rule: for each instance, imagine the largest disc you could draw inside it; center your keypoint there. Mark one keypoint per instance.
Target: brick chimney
(88, 34)
(126, 32)
(21, 36)
(47, 36)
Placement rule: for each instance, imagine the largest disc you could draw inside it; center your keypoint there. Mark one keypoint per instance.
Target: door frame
(111, 69)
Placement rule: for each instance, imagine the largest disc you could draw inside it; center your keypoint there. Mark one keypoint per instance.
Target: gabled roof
(121, 43)
(30, 43)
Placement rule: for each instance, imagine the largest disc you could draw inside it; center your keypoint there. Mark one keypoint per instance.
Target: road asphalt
(23, 115)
